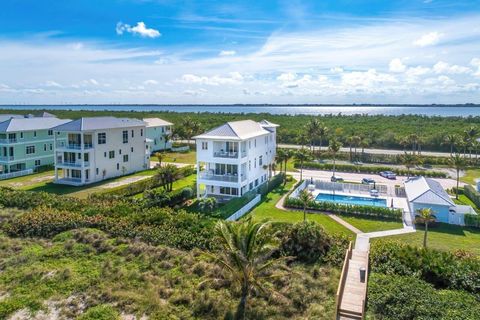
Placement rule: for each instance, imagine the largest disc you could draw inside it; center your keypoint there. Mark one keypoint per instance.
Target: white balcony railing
(6, 141)
(224, 154)
(208, 175)
(76, 164)
(73, 146)
(7, 158)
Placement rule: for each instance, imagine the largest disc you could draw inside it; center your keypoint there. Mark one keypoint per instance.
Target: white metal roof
(268, 124)
(29, 124)
(427, 191)
(235, 130)
(156, 122)
(99, 123)
(5, 117)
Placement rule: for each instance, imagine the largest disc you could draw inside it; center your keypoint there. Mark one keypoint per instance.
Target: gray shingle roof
(156, 122)
(425, 190)
(29, 124)
(99, 123)
(235, 130)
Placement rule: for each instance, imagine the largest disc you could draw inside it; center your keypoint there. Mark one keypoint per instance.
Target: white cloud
(140, 29)
(367, 78)
(475, 62)
(53, 84)
(396, 65)
(150, 82)
(417, 71)
(225, 53)
(288, 76)
(428, 39)
(336, 70)
(443, 67)
(234, 78)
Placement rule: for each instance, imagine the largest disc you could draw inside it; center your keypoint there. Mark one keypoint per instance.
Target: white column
(82, 168)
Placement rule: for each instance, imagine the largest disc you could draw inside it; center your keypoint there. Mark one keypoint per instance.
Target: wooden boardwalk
(352, 291)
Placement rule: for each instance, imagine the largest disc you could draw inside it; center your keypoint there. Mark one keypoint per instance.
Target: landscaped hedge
(472, 220)
(472, 194)
(142, 185)
(371, 211)
(445, 270)
(274, 182)
(369, 169)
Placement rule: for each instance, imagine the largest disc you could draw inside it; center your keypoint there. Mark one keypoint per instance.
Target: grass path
(371, 225)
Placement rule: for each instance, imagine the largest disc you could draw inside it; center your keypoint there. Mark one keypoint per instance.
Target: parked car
(368, 181)
(389, 175)
(336, 179)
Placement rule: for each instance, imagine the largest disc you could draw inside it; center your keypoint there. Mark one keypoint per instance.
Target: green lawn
(81, 191)
(179, 184)
(470, 176)
(464, 200)
(266, 210)
(180, 157)
(443, 237)
(371, 225)
(29, 180)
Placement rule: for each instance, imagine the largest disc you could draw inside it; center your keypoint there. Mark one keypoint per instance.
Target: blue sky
(161, 51)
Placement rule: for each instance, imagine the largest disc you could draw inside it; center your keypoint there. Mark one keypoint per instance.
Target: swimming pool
(352, 200)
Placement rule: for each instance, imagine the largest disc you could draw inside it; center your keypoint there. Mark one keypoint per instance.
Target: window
(119, 151)
(204, 145)
(141, 132)
(125, 136)
(21, 135)
(260, 161)
(50, 132)
(249, 164)
(250, 144)
(255, 143)
(96, 171)
(30, 150)
(111, 154)
(76, 174)
(105, 154)
(131, 149)
(51, 146)
(256, 182)
(250, 185)
(133, 134)
(37, 163)
(102, 138)
(255, 163)
(125, 158)
(44, 147)
(118, 166)
(34, 133)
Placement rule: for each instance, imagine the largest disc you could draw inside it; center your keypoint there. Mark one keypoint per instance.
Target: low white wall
(181, 149)
(15, 174)
(302, 186)
(240, 213)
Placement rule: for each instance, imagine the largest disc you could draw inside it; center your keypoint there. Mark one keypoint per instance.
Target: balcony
(7, 158)
(73, 164)
(7, 141)
(73, 146)
(223, 154)
(209, 175)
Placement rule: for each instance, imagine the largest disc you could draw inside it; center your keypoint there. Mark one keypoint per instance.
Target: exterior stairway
(352, 292)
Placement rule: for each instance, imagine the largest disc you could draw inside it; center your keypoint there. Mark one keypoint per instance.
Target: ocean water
(443, 111)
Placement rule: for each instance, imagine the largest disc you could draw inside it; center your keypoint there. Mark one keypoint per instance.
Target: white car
(389, 175)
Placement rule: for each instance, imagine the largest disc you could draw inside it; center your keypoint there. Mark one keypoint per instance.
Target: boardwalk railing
(364, 303)
(343, 278)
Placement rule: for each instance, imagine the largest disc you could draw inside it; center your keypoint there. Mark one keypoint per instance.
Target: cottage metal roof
(235, 130)
(29, 124)
(156, 122)
(268, 124)
(99, 123)
(5, 117)
(427, 191)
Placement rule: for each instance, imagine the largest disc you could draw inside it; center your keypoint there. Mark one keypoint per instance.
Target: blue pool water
(353, 200)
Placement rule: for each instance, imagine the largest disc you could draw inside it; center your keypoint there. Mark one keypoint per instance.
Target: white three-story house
(234, 158)
(99, 148)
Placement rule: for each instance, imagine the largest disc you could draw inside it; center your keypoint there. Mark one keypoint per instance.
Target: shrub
(371, 211)
(444, 270)
(307, 241)
(472, 194)
(472, 220)
(370, 169)
(207, 204)
(406, 297)
(187, 193)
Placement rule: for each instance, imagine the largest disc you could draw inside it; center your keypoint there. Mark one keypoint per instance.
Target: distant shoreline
(469, 105)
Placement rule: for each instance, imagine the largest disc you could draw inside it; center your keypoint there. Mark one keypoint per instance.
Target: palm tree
(159, 157)
(451, 140)
(305, 197)
(190, 128)
(356, 142)
(302, 156)
(167, 137)
(334, 147)
(322, 133)
(458, 162)
(404, 143)
(350, 143)
(246, 255)
(167, 175)
(425, 216)
(364, 144)
(302, 139)
(413, 139)
(470, 136)
(409, 161)
(207, 204)
(312, 129)
(280, 157)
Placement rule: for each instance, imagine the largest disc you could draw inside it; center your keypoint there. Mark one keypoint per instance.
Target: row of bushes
(370, 211)
(161, 198)
(472, 194)
(369, 169)
(157, 226)
(145, 184)
(472, 220)
(273, 183)
(445, 270)
(394, 297)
